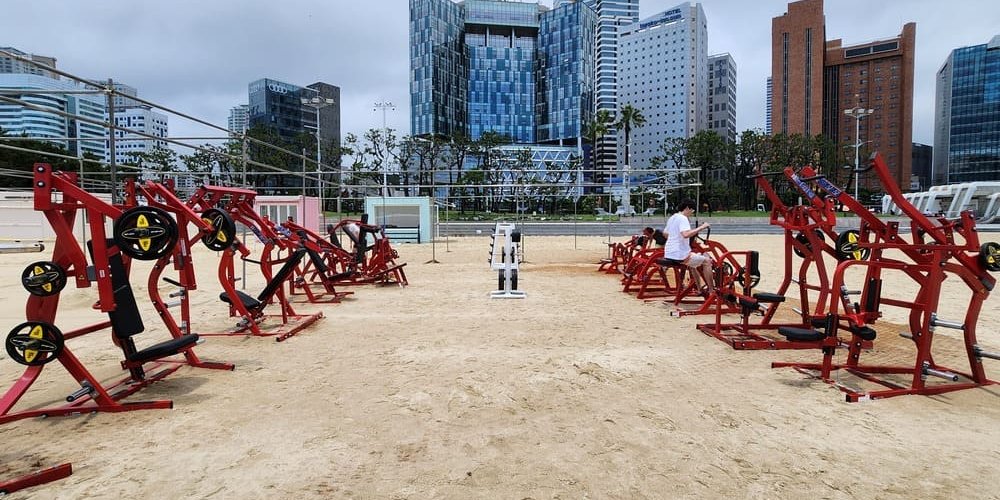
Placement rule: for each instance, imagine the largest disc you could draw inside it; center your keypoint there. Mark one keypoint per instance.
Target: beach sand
(436, 391)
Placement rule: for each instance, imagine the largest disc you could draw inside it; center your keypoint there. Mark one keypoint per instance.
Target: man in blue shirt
(679, 232)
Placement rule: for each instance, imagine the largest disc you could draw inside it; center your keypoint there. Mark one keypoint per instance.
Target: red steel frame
(306, 274)
(56, 473)
(819, 217)
(68, 255)
(375, 264)
(929, 264)
(239, 204)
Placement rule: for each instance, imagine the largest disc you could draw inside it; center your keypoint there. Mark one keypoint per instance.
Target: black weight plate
(34, 343)
(847, 246)
(43, 278)
(989, 256)
(223, 233)
(145, 233)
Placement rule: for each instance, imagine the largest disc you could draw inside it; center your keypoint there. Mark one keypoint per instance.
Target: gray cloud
(199, 56)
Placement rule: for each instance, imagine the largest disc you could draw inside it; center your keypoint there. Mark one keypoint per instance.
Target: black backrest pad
(754, 263)
(317, 261)
(125, 319)
(873, 296)
(278, 279)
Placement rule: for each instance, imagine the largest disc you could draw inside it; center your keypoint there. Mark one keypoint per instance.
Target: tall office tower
(967, 115)
(518, 69)
(11, 65)
(278, 106)
(565, 98)
(76, 136)
(128, 144)
(238, 119)
(722, 96)
(920, 180)
(611, 15)
(663, 62)
(797, 40)
(816, 81)
(439, 69)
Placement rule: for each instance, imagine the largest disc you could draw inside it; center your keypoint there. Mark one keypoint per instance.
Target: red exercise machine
(141, 232)
(938, 249)
(238, 204)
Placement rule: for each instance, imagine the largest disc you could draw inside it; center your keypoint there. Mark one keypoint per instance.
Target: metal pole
(857, 151)
(112, 149)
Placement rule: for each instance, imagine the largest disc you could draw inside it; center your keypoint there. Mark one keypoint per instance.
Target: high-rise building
(10, 65)
(278, 106)
(611, 16)
(519, 69)
(920, 180)
(239, 119)
(128, 144)
(815, 81)
(76, 136)
(722, 96)
(967, 115)
(662, 71)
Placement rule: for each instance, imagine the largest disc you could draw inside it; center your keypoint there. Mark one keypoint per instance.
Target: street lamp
(857, 113)
(316, 102)
(385, 106)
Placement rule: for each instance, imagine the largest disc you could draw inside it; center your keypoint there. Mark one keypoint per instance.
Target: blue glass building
(967, 119)
(518, 69)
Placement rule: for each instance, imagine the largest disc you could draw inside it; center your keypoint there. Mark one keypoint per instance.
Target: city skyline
(364, 49)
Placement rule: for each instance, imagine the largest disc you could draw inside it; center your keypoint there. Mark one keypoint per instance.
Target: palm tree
(629, 117)
(595, 131)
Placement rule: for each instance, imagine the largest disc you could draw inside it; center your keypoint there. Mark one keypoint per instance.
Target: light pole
(317, 102)
(385, 106)
(857, 113)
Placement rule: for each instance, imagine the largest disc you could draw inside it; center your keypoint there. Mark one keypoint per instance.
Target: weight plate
(223, 233)
(989, 256)
(145, 233)
(43, 278)
(34, 343)
(848, 248)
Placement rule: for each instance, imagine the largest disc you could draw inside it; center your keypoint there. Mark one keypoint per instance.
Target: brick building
(815, 80)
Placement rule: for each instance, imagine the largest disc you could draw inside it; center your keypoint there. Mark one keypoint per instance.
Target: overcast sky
(198, 56)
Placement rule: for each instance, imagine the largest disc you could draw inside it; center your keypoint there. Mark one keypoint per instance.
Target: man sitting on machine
(678, 247)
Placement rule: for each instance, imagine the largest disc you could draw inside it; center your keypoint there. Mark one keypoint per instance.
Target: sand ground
(436, 391)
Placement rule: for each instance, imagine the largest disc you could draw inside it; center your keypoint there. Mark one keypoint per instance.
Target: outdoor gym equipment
(938, 249)
(504, 258)
(238, 204)
(621, 253)
(214, 228)
(807, 229)
(141, 232)
(313, 271)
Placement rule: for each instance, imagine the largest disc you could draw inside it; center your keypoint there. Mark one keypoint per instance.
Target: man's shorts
(695, 260)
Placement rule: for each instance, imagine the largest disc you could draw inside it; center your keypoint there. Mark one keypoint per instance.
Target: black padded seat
(163, 349)
(800, 334)
(768, 297)
(669, 262)
(249, 302)
(866, 333)
(749, 303)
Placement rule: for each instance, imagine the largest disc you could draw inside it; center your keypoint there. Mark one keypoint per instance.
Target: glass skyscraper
(967, 118)
(518, 69)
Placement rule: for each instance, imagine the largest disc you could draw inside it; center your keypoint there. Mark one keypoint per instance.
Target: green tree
(595, 131)
(629, 117)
